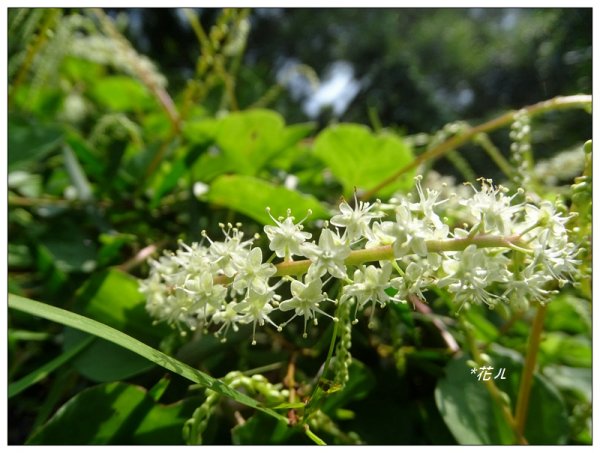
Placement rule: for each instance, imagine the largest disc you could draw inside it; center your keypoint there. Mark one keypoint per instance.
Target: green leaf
(30, 141)
(558, 347)
(251, 138)
(113, 413)
(251, 196)
(113, 297)
(108, 333)
(36, 376)
(69, 248)
(262, 430)
(175, 171)
(121, 93)
(484, 330)
(360, 159)
(200, 130)
(577, 380)
(467, 408)
(104, 361)
(569, 314)
(547, 418)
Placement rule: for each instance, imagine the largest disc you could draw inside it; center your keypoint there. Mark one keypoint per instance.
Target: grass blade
(36, 376)
(98, 329)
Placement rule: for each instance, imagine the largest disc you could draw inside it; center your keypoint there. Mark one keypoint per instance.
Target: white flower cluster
(106, 51)
(381, 254)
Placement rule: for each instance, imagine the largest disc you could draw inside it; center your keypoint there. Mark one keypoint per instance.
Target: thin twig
(557, 103)
(139, 258)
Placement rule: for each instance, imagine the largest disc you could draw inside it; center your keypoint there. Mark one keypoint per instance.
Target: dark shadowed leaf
(114, 413)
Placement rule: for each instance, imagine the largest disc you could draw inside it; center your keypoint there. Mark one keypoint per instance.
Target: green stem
(528, 369)
(484, 141)
(386, 253)
(490, 385)
(557, 103)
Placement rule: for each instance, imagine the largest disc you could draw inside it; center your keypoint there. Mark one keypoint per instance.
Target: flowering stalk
(386, 252)
(504, 251)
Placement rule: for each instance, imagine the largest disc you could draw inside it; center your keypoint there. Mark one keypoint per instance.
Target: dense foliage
(195, 257)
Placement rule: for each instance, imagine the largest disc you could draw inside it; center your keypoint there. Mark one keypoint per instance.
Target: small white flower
(529, 287)
(228, 317)
(410, 233)
(255, 309)
(355, 220)
(229, 253)
(417, 277)
(287, 237)
(252, 273)
(305, 300)
(470, 272)
(382, 233)
(369, 285)
(329, 255)
(491, 206)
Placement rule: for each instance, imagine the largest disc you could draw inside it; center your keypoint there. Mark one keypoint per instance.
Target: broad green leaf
(113, 413)
(210, 165)
(200, 130)
(30, 141)
(251, 138)
(113, 297)
(104, 361)
(121, 93)
(467, 408)
(547, 418)
(361, 159)
(36, 376)
(96, 328)
(251, 196)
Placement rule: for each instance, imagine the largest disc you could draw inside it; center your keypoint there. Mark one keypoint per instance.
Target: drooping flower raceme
(384, 253)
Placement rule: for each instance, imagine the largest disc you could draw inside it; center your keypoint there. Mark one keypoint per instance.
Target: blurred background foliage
(132, 128)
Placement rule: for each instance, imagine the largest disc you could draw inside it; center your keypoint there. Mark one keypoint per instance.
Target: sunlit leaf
(121, 93)
(251, 196)
(360, 159)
